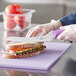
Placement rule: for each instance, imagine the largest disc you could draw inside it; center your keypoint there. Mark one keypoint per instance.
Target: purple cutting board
(43, 61)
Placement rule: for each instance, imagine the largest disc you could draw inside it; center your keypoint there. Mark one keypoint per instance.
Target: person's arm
(53, 25)
(69, 33)
(69, 19)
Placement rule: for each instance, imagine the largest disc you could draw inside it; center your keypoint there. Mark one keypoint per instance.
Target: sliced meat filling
(24, 51)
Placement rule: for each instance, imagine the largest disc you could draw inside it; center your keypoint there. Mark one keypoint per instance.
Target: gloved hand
(69, 33)
(44, 28)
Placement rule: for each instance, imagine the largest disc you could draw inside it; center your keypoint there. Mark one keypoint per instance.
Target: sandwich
(23, 49)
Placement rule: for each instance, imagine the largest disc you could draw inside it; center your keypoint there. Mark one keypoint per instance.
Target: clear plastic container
(18, 22)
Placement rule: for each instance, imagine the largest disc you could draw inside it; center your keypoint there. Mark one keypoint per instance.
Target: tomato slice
(20, 49)
(14, 50)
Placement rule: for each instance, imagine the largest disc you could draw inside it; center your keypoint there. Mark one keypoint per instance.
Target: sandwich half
(23, 49)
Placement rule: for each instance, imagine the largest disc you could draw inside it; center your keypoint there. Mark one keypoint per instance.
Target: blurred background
(45, 9)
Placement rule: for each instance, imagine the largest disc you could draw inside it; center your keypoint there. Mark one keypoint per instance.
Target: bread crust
(20, 55)
(22, 45)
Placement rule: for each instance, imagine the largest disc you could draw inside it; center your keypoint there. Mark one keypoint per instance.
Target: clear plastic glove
(43, 29)
(69, 33)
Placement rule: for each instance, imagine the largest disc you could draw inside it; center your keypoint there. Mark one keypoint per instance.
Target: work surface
(66, 66)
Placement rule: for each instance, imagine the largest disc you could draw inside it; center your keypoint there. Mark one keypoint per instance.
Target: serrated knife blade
(30, 39)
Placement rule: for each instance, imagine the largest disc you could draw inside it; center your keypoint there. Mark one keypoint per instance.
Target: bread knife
(47, 38)
(30, 39)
